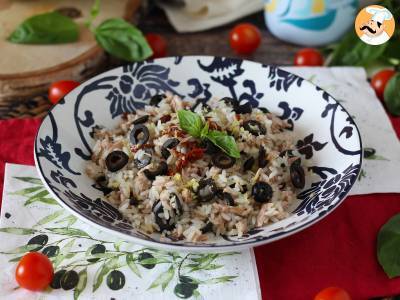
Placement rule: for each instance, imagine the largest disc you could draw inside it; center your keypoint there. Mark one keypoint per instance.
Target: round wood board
(27, 70)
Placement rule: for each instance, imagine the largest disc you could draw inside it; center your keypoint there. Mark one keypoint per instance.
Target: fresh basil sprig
(116, 36)
(123, 40)
(47, 28)
(193, 124)
(388, 247)
(392, 95)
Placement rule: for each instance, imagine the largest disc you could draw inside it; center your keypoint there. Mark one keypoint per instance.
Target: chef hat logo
(374, 25)
(379, 14)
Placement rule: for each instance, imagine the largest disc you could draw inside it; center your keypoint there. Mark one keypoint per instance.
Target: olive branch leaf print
(109, 261)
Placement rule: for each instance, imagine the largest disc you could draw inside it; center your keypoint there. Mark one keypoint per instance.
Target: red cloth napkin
(339, 250)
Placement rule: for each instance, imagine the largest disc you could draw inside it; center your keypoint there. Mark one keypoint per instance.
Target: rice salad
(191, 171)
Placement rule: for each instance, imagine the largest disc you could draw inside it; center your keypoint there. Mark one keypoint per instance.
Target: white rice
(137, 196)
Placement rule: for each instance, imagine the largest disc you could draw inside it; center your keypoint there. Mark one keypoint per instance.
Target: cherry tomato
(308, 57)
(158, 44)
(34, 271)
(60, 88)
(332, 293)
(245, 38)
(379, 81)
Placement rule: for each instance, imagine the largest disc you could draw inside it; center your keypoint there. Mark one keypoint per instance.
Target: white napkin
(349, 85)
(25, 216)
(199, 15)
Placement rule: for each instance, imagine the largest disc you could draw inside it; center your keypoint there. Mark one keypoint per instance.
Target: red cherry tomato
(34, 271)
(60, 88)
(308, 57)
(245, 38)
(332, 293)
(195, 154)
(158, 44)
(379, 81)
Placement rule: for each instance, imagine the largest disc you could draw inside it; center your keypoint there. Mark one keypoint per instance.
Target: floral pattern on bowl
(327, 137)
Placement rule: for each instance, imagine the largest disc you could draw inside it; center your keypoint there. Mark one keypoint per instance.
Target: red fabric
(339, 250)
(16, 143)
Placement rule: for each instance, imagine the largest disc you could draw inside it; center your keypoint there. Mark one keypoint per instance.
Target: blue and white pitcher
(310, 22)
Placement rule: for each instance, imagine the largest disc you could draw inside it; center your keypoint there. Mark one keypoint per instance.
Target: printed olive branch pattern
(109, 259)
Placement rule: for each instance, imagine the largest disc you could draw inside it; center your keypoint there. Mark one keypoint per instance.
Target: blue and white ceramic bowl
(326, 133)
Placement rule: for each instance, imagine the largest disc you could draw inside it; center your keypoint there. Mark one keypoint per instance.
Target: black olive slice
(223, 161)
(140, 120)
(169, 144)
(289, 153)
(227, 198)
(162, 223)
(230, 101)
(262, 192)
(178, 203)
(245, 108)
(162, 169)
(206, 190)
(102, 185)
(156, 99)
(263, 109)
(207, 228)
(209, 146)
(297, 175)
(248, 164)
(116, 160)
(254, 127)
(144, 160)
(262, 157)
(139, 135)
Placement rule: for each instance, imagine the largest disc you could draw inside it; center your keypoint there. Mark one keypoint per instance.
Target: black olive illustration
(56, 282)
(98, 248)
(69, 280)
(184, 290)
(115, 280)
(40, 240)
(188, 280)
(51, 251)
(368, 152)
(143, 256)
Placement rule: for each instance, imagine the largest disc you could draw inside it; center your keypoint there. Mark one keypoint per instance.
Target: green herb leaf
(47, 28)
(30, 180)
(190, 122)
(123, 40)
(18, 230)
(49, 218)
(163, 279)
(69, 231)
(81, 283)
(388, 247)
(392, 95)
(225, 142)
(131, 264)
(204, 131)
(352, 51)
(94, 12)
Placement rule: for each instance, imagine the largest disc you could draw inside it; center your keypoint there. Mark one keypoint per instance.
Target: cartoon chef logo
(374, 25)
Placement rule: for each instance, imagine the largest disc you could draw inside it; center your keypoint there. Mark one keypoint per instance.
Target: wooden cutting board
(27, 70)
